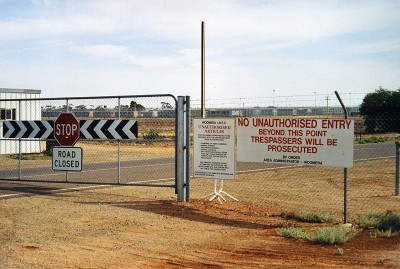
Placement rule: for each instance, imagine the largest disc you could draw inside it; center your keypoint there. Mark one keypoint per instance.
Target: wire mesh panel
(146, 159)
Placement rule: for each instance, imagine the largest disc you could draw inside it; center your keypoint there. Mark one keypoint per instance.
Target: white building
(13, 107)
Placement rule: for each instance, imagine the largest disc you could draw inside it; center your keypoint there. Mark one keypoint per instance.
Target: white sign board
(214, 148)
(67, 159)
(296, 141)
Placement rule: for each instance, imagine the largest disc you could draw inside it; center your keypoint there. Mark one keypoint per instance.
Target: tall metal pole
(203, 69)
(315, 103)
(273, 98)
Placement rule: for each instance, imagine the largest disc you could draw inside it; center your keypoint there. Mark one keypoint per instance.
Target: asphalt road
(154, 171)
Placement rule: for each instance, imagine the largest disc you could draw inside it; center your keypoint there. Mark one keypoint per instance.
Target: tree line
(381, 111)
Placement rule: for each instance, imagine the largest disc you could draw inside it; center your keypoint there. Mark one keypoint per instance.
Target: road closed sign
(67, 159)
(295, 141)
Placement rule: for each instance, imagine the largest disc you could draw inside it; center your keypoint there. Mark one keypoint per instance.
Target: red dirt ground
(120, 227)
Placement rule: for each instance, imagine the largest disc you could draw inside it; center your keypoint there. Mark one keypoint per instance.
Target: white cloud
(280, 23)
(155, 45)
(106, 50)
(378, 46)
(26, 29)
(123, 55)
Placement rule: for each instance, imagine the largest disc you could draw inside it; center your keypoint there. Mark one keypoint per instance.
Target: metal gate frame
(182, 143)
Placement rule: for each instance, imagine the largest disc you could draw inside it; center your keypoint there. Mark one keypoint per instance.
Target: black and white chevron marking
(108, 129)
(89, 129)
(28, 129)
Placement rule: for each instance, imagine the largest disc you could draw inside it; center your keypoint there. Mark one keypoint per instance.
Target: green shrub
(332, 235)
(391, 221)
(339, 251)
(325, 235)
(293, 232)
(315, 217)
(152, 134)
(24, 157)
(288, 215)
(305, 216)
(382, 233)
(370, 220)
(384, 222)
(373, 139)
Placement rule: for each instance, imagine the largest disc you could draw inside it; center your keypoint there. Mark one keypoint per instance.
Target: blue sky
(254, 49)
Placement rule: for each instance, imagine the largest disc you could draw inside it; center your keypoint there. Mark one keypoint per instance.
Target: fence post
(19, 143)
(396, 190)
(188, 148)
(180, 153)
(345, 169)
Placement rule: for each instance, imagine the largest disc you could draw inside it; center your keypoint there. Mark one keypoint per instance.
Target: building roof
(31, 91)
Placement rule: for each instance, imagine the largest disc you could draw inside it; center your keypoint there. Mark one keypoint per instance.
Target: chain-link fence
(370, 182)
(150, 159)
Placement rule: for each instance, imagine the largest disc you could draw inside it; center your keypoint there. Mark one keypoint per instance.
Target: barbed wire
(301, 100)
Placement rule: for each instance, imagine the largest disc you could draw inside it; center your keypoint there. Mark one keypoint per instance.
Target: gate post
(180, 149)
(187, 148)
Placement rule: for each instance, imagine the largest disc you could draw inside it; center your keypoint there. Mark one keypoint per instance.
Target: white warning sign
(296, 141)
(214, 148)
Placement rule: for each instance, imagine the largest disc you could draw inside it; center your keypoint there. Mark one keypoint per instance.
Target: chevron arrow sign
(109, 129)
(28, 129)
(89, 129)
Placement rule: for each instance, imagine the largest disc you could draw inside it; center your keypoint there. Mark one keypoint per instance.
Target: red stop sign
(66, 129)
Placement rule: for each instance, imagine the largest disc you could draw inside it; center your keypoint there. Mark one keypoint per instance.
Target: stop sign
(66, 129)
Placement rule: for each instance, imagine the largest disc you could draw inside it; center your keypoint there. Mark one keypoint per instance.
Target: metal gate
(158, 156)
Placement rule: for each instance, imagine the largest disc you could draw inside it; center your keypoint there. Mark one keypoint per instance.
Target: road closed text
(65, 164)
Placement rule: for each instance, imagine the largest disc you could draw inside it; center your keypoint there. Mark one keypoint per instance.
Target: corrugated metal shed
(13, 106)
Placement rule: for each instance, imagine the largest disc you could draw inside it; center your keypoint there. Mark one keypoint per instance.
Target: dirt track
(131, 227)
